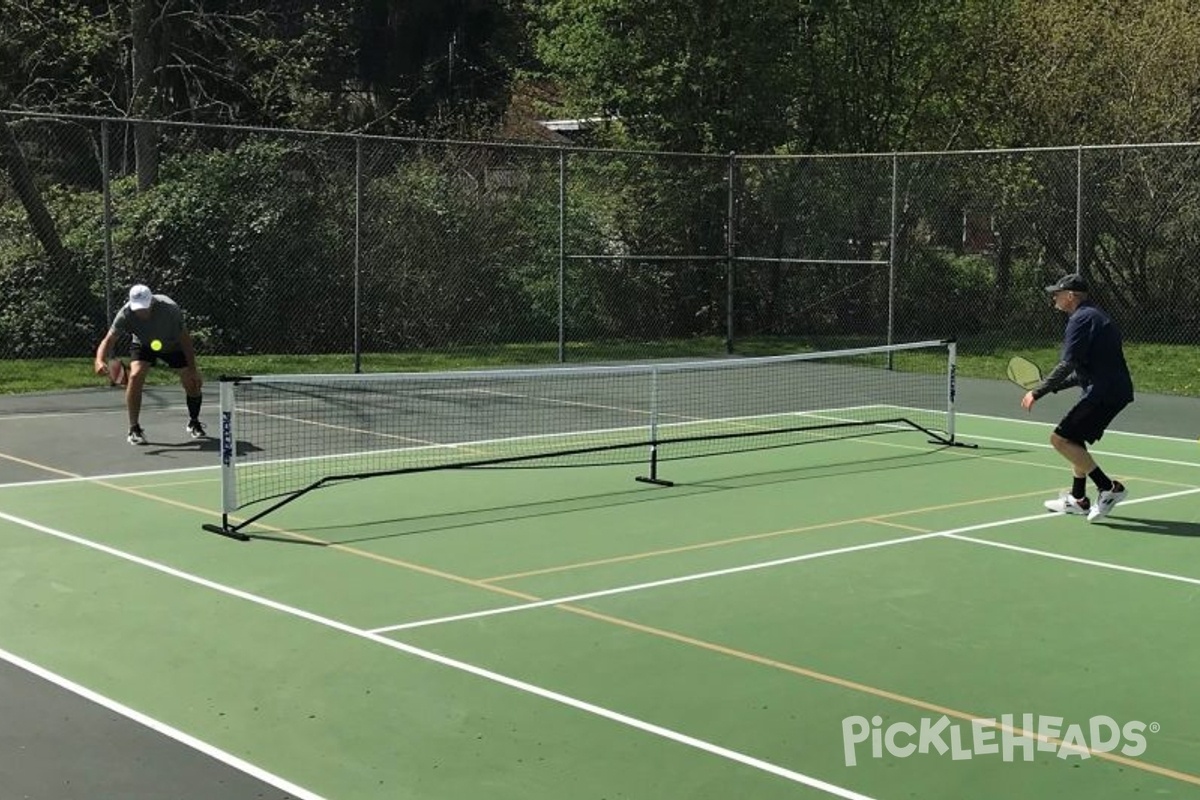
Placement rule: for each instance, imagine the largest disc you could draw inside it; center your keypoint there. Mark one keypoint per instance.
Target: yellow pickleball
(155, 344)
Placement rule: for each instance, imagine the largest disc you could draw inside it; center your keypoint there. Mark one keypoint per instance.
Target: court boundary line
(886, 518)
(77, 478)
(636, 587)
(1090, 562)
(1049, 424)
(525, 687)
(680, 579)
(1105, 453)
(885, 694)
(159, 727)
(28, 415)
(733, 541)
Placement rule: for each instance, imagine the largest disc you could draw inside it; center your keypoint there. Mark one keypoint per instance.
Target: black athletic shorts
(1087, 420)
(175, 359)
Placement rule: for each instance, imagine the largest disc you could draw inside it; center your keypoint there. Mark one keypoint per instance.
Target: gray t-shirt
(165, 323)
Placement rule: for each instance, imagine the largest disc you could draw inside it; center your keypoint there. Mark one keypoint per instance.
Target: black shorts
(1087, 420)
(175, 359)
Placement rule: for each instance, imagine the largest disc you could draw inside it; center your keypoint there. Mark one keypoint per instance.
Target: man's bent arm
(103, 349)
(1063, 376)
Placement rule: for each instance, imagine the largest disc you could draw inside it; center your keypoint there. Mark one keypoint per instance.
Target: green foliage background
(283, 244)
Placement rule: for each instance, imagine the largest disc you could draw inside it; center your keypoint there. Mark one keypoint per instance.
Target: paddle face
(118, 373)
(1024, 373)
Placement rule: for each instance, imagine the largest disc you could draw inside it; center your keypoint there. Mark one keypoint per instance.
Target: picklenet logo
(1009, 738)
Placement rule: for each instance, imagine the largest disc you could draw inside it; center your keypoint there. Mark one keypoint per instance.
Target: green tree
(680, 74)
(1099, 72)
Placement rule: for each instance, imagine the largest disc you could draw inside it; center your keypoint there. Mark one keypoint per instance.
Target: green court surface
(763, 629)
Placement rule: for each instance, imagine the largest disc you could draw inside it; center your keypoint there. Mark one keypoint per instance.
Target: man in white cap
(159, 332)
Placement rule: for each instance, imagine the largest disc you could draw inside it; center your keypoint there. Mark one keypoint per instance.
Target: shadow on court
(457, 520)
(152, 448)
(209, 444)
(1157, 527)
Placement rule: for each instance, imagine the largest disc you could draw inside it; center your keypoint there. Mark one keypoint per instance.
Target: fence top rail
(1075, 148)
(561, 148)
(353, 136)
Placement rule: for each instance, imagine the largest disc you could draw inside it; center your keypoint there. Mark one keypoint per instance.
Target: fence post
(357, 249)
(1079, 209)
(562, 254)
(106, 190)
(891, 323)
(730, 244)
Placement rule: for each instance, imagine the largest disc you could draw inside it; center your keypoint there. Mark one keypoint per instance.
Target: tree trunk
(145, 91)
(26, 188)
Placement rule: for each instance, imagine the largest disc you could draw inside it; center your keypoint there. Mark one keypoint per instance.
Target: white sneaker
(136, 436)
(1106, 501)
(1065, 503)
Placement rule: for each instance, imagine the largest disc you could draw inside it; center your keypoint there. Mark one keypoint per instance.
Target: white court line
(1105, 453)
(637, 587)
(1050, 425)
(84, 413)
(953, 533)
(1150, 573)
(161, 728)
(461, 666)
(111, 477)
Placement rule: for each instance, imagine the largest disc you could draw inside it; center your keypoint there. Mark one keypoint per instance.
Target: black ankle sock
(1079, 488)
(1102, 481)
(193, 404)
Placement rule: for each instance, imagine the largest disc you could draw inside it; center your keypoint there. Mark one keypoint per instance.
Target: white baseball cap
(140, 297)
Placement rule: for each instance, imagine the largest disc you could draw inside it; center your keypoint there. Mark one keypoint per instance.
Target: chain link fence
(293, 249)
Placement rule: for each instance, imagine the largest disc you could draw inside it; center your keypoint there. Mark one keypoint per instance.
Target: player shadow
(205, 445)
(430, 523)
(1156, 527)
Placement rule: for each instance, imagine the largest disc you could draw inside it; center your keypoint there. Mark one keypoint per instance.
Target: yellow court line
(1064, 466)
(208, 512)
(190, 482)
(855, 686)
(900, 525)
(754, 536)
(750, 538)
(687, 640)
(485, 582)
(395, 562)
(35, 465)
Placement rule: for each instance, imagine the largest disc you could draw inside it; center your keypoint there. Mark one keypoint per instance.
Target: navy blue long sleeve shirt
(1092, 358)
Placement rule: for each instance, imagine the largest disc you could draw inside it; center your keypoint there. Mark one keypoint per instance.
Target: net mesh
(293, 432)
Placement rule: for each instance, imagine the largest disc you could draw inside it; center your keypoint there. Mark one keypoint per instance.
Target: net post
(229, 501)
(653, 476)
(225, 529)
(951, 395)
(951, 385)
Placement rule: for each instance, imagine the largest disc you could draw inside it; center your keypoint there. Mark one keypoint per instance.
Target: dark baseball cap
(1069, 283)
